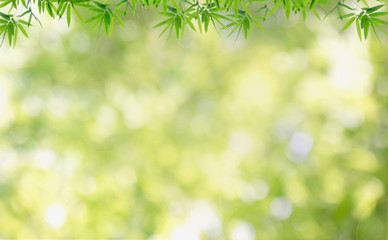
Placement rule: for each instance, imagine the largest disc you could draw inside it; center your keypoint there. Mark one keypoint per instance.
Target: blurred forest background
(283, 136)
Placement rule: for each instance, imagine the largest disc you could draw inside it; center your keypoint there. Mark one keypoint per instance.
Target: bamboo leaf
(379, 21)
(23, 30)
(381, 29)
(170, 20)
(188, 21)
(366, 28)
(348, 23)
(358, 29)
(375, 8)
(378, 14)
(258, 24)
(68, 15)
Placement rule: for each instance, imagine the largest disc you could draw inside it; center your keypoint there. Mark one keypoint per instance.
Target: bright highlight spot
(187, 232)
(205, 217)
(32, 105)
(255, 190)
(56, 215)
(299, 146)
(301, 143)
(133, 113)
(281, 208)
(243, 231)
(45, 158)
(240, 143)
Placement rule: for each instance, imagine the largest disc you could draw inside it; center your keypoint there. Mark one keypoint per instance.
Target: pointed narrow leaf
(346, 6)
(378, 14)
(287, 8)
(188, 21)
(381, 29)
(111, 27)
(379, 21)
(348, 23)
(164, 6)
(358, 29)
(170, 20)
(119, 19)
(199, 25)
(177, 28)
(375, 8)
(366, 28)
(23, 30)
(68, 15)
(15, 37)
(10, 34)
(258, 24)
(316, 14)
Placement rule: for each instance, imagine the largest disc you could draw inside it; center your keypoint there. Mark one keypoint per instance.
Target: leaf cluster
(235, 16)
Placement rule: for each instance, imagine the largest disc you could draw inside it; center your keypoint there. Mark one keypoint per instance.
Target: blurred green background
(283, 136)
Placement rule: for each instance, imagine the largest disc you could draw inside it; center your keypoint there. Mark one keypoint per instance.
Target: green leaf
(119, 19)
(246, 8)
(164, 6)
(77, 13)
(378, 14)
(312, 4)
(205, 20)
(379, 21)
(287, 8)
(276, 6)
(381, 29)
(232, 31)
(374, 31)
(358, 29)
(5, 3)
(106, 23)
(258, 24)
(183, 29)
(222, 16)
(5, 16)
(375, 8)
(188, 21)
(366, 4)
(23, 30)
(111, 27)
(363, 21)
(15, 36)
(348, 23)
(176, 6)
(100, 5)
(170, 20)
(346, 6)
(68, 15)
(49, 7)
(217, 3)
(10, 34)
(199, 25)
(238, 33)
(94, 18)
(366, 28)
(250, 32)
(216, 19)
(316, 14)
(236, 8)
(177, 26)
(165, 29)
(348, 15)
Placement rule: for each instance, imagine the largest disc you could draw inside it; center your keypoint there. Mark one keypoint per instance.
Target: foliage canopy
(234, 15)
